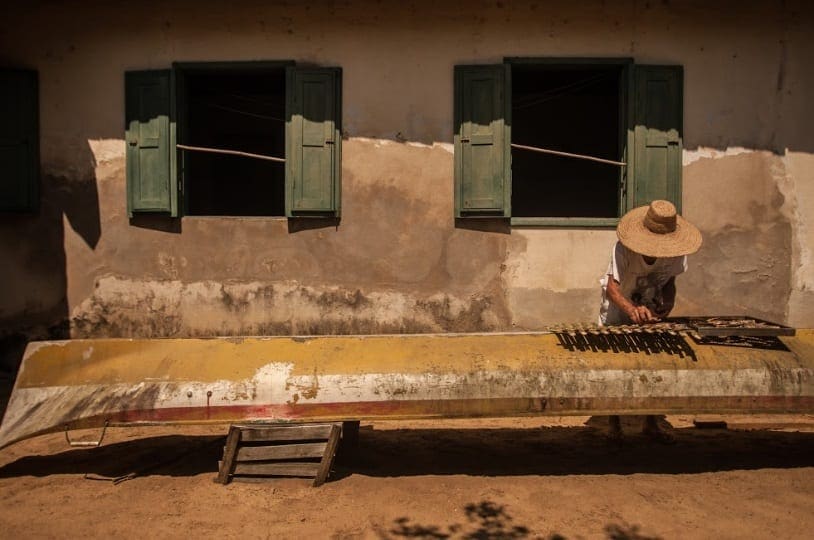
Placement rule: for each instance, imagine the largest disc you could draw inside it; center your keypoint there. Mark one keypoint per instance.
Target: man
(639, 286)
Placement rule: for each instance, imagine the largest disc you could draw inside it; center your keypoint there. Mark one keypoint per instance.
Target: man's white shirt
(639, 282)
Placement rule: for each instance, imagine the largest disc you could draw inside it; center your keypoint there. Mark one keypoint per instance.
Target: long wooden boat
(124, 382)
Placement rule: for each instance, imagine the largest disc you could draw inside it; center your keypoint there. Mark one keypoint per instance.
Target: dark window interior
(573, 109)
(240, 110)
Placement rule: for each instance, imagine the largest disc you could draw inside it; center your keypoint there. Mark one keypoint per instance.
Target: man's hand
(640, 314)
(637, 314)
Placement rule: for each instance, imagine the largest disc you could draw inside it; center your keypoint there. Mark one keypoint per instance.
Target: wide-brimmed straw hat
(656, 230)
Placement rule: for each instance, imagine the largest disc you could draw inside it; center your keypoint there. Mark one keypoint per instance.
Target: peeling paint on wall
(131, 308)
(688, 157)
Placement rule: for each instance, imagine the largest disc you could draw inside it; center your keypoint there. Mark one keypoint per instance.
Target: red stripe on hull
(373, 410)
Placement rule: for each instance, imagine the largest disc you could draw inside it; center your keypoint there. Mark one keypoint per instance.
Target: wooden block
(709, 421)
(350, 433)
(281, 451)
(700, 424)
(349, 441)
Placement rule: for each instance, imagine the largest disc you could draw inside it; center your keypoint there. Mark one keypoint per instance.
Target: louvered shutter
(658, 116)
(482, 139)
(151, 179)
(313, 142)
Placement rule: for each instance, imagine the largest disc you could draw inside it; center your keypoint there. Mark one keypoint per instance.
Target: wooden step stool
(256, 452)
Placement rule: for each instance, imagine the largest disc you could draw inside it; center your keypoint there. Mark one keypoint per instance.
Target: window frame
(181, 113)
(178, 115)
(628, 102)
(625, 135)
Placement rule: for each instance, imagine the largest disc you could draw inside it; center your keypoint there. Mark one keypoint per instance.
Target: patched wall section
(553, 276)
(744, 264)
(395, 263)
(799, 190)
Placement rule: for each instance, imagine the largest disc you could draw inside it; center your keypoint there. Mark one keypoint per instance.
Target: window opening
(574, 111)
(233, 137)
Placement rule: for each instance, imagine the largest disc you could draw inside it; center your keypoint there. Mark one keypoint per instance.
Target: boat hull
(89, 383)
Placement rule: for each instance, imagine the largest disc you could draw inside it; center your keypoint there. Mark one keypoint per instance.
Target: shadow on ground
(573, 450)
(487, 520)
(542, 451)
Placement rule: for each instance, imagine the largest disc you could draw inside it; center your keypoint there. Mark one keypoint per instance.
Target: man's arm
(637, 314)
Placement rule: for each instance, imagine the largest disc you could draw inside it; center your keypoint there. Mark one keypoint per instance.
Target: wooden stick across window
(229, 152)
(568, 154)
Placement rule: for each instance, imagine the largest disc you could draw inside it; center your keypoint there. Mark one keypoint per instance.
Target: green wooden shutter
(658, 117)
(313, 142)
(482, 141)
(19, 141)
(151, 176)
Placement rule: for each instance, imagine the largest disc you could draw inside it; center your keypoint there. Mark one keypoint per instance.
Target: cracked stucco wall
(744, 266)
(394, 264)
(397, 261)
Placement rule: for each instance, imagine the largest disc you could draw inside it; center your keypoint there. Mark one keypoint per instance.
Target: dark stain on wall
(467, 320)
(123, 308)
(353, 299)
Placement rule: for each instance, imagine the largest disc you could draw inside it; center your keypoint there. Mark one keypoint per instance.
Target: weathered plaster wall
(800, 185)
(394, 264)
(397, 262)
(745, 263)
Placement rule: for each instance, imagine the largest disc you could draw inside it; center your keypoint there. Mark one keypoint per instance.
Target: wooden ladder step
(281, 451)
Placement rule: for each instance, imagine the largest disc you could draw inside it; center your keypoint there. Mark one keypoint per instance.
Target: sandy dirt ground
(466, 479)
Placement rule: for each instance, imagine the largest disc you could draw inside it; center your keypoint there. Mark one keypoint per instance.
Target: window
(234, 139)
(19, 141)
(566, 141)
(240, 110)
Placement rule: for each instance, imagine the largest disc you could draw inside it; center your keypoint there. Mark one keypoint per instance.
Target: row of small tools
(669, 328)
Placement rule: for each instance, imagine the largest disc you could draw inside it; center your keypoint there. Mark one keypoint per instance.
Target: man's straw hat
(657, 230)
